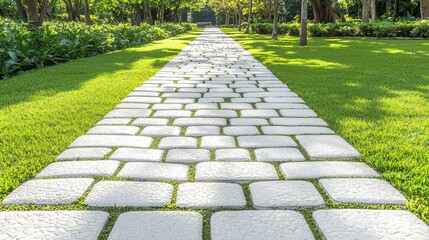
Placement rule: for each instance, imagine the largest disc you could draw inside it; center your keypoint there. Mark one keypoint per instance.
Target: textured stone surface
(258, 225)
(240, 130)
(128, 193)
(210, 195)
(49, 191)
(169, 225)
(161, 131)
(234, 171)
(285, 195)
(150, 122)
(114, 121)
(327, 147)
(113, 130)
(265, 141)
(371, 191)
(232, 155)
(298, 121)
(102, 168)
(111, 141)
(293, 130)
(213, 142)
(137, 155)
(198, 131)
(177, 142)
(370, 224)
(52, 225)
(154, 171)
(188, 155)
(83, 153)
(248, 122)
(200, 122)
(294, 170)
(132, 113)
(278, 155)
(297, 113)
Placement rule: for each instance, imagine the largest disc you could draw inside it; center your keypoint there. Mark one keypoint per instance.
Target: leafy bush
(416, 29)
(24, 47)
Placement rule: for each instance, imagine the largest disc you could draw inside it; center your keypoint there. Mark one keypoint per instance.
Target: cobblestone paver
(213, 129)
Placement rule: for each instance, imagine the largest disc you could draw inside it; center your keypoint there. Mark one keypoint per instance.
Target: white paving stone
(177, 142)
(257, 113)
(240, 130)
(200, 122)
(216, 113)
(294, 170)
(159, 225)
(49, 191)
(261, 224)
(297, 113)
(51, 225)
(198, 131)
(278, 155)
(133, 113)
(133, 105)
(165, 106)
(232, 155)
(265, 141)
(137, 155)
(338, 224)
(113, 130)
(102, 168)
(161, 131)
(154, 171)
(285, 195)
(213, 142)
(235, 171)
(201, 106)
(210, 195)
(128, 193)
(150, 122)
(114, 121)
(188, 155)
(369, 191)
(112, 141)
(292, 130)
(298, 121)
(327, 147)
(83, 153)
(248, 121)
(172, 113)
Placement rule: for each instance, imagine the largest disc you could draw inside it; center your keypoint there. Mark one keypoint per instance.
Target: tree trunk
(240, 15)
(249, 19)
(87, 14)
(365, 10)
(22, 11)
(388, 8)
(270, 9)
(136, 17)
(323, 11)
(424, 9)
(395, 9)
(373, 10)
(276, 20)
(303, 34)
(227, 18)
(76, 8)
(69, 9)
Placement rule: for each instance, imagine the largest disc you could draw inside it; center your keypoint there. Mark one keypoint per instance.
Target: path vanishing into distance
(213, 146)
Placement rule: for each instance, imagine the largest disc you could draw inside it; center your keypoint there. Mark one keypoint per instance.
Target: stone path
(212, 120)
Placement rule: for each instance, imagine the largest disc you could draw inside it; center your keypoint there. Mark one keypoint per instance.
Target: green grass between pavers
(374, 93)
(43, 111)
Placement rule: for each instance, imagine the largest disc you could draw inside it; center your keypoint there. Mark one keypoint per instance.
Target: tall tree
(324, 11)
(21, 10)
(303, 33)
(276, 20)
(424, 9)
(366, 7)
(373, 10)
(249, 19)
(87, 13)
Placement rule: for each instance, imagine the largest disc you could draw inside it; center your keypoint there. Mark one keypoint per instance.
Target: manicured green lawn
(43, 111)
(374, 93)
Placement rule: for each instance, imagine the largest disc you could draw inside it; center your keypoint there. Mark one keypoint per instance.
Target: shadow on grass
(71, 75)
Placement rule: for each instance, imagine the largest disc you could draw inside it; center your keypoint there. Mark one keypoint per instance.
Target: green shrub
(24, 47)
(406, 29)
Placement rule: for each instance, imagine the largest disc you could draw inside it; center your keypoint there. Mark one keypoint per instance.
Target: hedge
(24, 47)
(375, 29)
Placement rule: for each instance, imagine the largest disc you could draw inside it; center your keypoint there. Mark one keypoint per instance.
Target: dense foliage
(374, 29)
(25, 47)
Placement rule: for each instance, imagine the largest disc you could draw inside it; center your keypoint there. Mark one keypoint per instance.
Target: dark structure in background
(205, 15)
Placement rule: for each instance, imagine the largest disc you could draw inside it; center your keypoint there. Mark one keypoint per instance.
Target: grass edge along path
(374, 93)
(43, 111)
